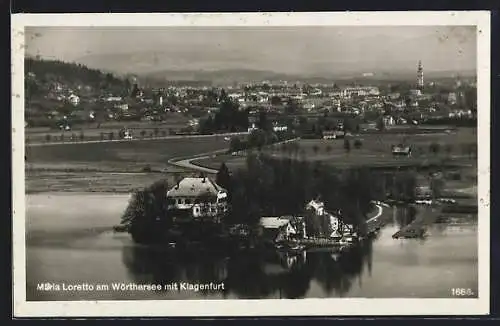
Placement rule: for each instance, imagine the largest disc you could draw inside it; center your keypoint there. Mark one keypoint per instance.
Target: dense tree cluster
(229, 118)
(146, 215)
(270, 186)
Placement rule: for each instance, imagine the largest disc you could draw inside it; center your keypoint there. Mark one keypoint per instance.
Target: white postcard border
(268, 307)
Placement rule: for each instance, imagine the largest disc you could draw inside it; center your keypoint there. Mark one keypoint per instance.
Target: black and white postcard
(251, 164)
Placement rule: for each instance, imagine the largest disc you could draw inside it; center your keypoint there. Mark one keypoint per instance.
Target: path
(379, 213)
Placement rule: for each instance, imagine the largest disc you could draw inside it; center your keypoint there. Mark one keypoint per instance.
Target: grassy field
(92, 131)
(375, 150)
(53, 181)
(122, 155)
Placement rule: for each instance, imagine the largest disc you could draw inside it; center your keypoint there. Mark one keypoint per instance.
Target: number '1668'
(462, 292)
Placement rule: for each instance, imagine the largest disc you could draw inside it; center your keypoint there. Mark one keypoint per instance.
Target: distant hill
(172, 64)
(220, 76)
(41, 75)
(247, 75)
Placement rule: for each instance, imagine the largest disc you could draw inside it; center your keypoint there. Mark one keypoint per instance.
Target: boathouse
(275, 228)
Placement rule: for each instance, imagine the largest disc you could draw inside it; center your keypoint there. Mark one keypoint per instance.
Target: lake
(70, 243)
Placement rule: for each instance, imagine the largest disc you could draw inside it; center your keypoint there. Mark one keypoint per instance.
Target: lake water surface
(69, 241)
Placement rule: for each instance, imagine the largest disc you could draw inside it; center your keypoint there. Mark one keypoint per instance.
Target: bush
(358, 144)
(147, 168)
(434, 148)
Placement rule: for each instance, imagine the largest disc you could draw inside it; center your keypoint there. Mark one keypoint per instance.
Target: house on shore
(197, 199)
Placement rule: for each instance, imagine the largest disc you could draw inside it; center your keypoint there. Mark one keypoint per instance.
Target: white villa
(198, 198)
(338, 228)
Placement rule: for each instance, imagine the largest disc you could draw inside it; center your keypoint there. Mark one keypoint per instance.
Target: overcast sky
(309, 50)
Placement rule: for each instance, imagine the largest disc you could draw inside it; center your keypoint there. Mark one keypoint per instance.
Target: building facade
(197, 198)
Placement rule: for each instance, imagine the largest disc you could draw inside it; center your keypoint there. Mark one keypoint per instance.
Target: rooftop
(193, 187)
(273, 222)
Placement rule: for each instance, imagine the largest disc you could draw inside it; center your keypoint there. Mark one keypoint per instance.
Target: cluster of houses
(284, 228)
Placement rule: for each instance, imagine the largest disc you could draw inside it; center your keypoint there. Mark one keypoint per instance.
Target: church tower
(420, 76)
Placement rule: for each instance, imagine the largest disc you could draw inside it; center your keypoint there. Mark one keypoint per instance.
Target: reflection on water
(382, 267)
(251, 275)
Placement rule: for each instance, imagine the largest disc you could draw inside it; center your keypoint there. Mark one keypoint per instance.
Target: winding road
(188, 162)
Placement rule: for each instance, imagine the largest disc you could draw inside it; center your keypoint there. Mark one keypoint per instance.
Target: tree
(235, 145)
(275, 100)
(347, 145)
(381, 124)
(223, 177)
(437, 186)
(434, 148)
(111, 135)
(264, 122)
(448, 148)
(257, 139)
(82, 136)
(358, 144)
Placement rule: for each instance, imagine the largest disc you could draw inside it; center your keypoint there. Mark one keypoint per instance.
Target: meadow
(61, 181)
(124, 156)
(93, 131)
(375, 150)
